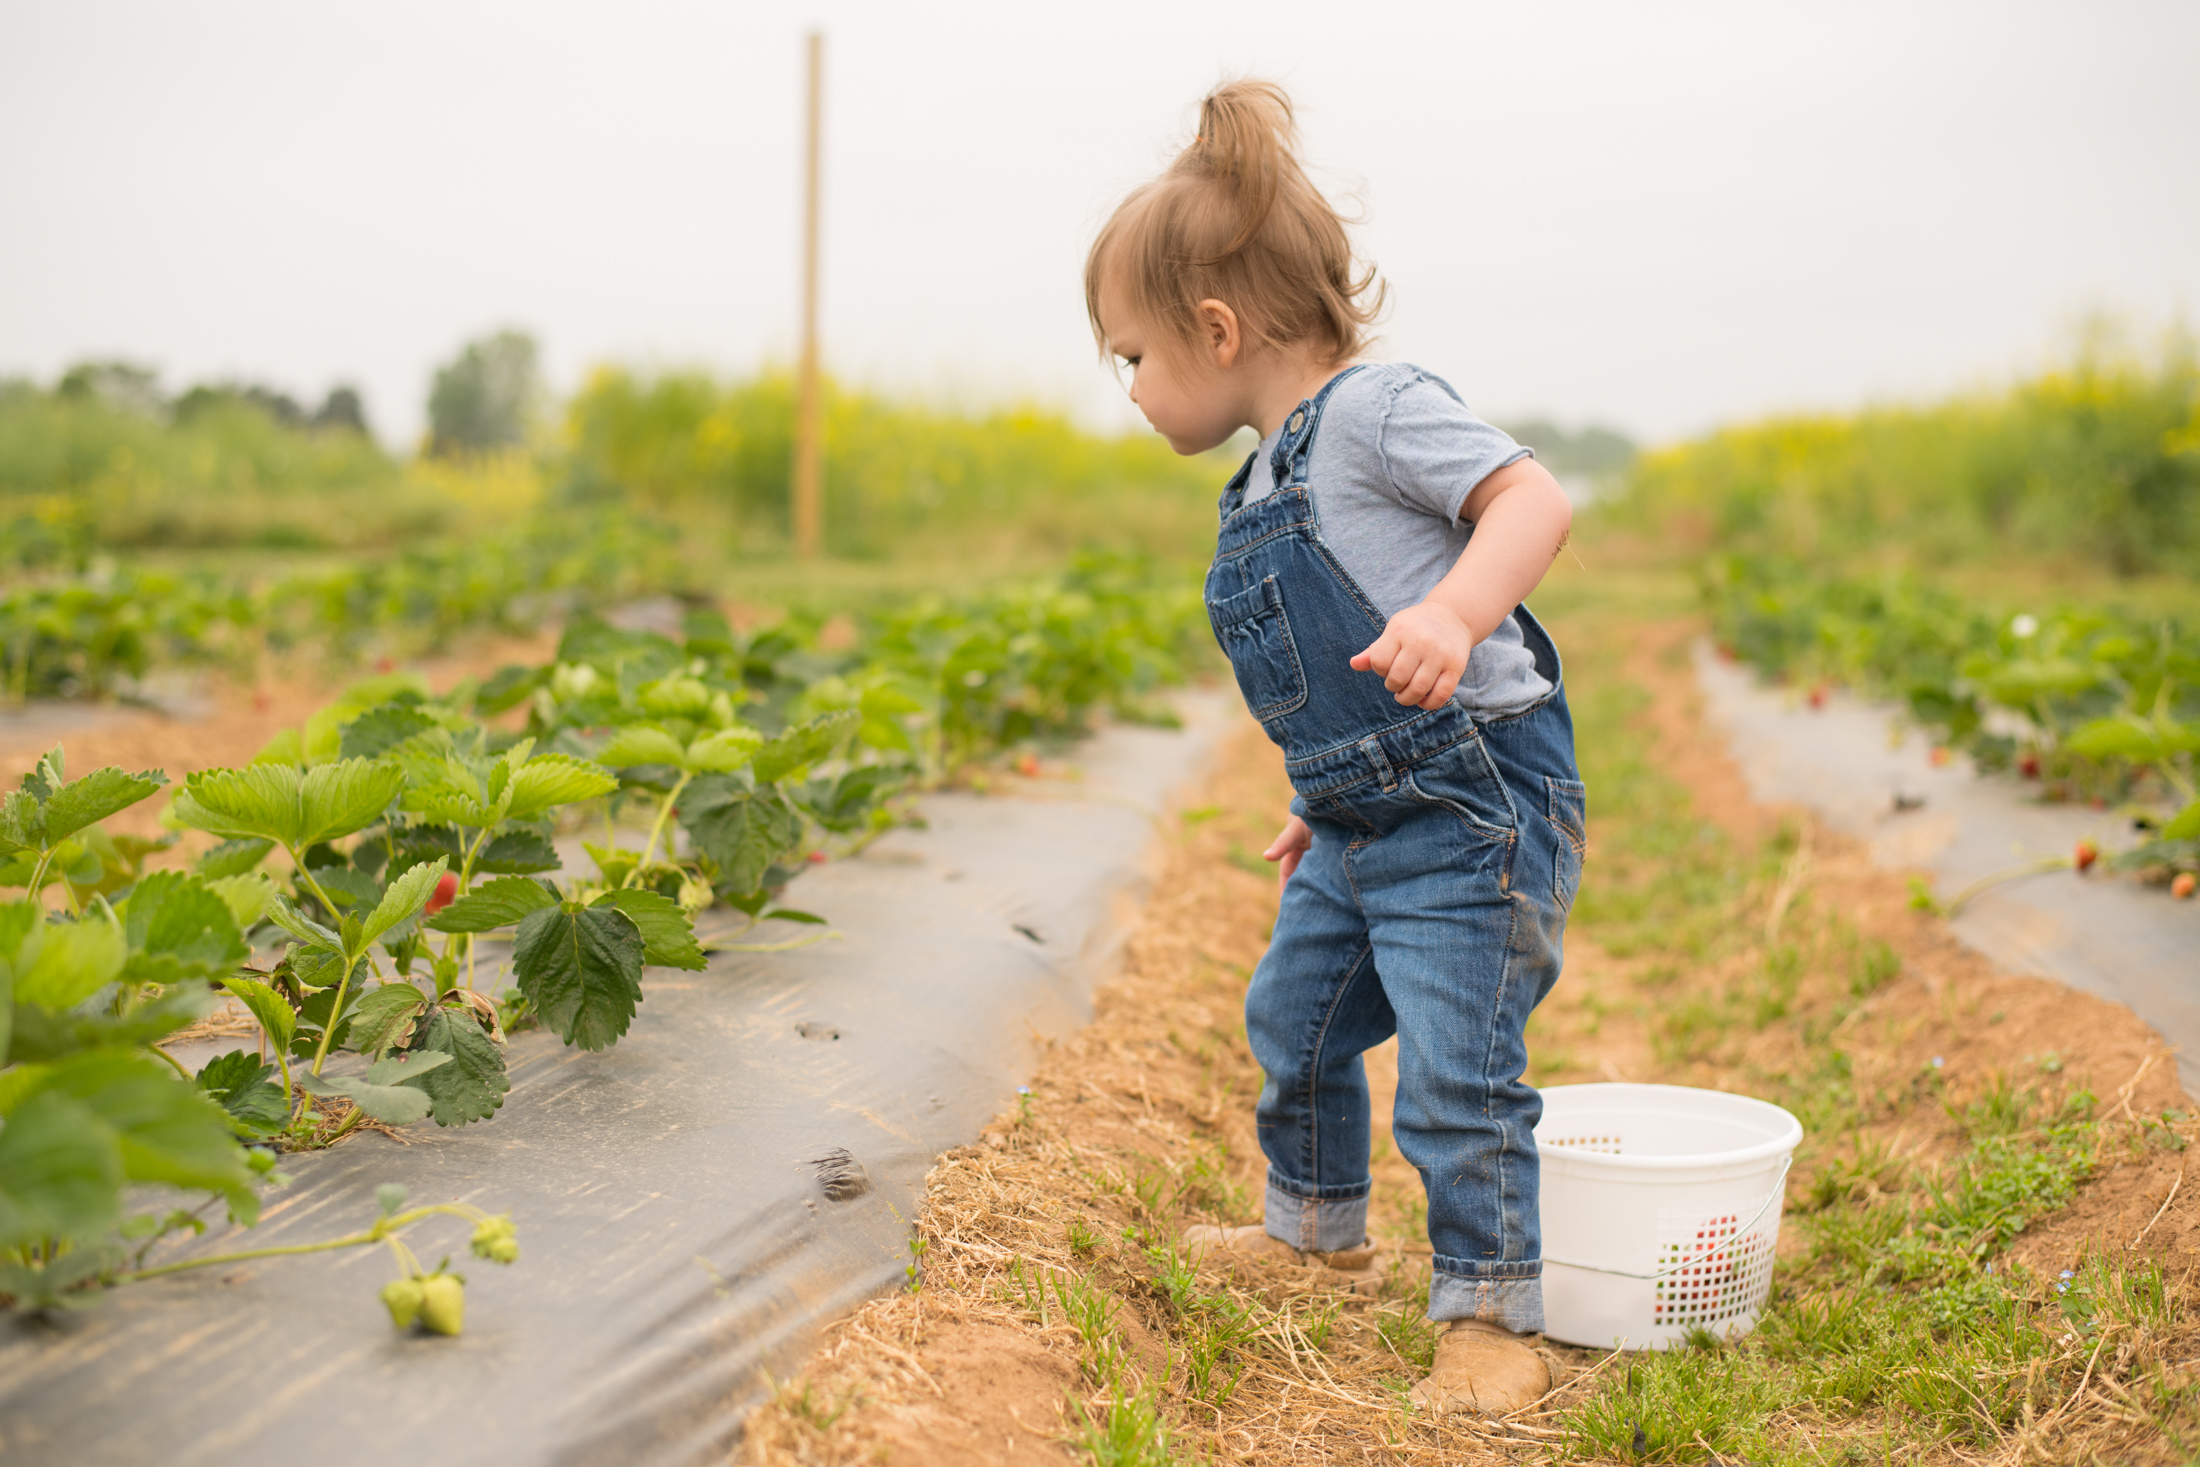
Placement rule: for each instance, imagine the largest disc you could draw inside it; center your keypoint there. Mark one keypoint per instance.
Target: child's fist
(1421, 654)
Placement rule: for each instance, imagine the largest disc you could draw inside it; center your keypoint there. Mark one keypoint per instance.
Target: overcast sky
(1659, 215)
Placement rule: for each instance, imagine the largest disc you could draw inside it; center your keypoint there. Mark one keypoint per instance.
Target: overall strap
(1288, 463)
(1287, 466)
(1233, 493)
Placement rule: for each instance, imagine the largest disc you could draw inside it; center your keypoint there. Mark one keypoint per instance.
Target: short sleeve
(1435, 450)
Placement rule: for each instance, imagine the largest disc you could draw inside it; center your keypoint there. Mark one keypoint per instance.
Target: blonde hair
(1236, 219)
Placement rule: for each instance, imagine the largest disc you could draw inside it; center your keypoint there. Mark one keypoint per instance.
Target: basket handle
(1779, 1190)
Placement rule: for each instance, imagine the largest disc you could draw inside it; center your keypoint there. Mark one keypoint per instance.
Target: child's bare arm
(1521, 519)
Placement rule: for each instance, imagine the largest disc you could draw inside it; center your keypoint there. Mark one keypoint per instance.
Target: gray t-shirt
(1395, 456)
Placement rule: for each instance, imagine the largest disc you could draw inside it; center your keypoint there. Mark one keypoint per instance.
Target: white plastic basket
(1661, 1209)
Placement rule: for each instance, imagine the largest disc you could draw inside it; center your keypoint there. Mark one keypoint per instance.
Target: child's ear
(1219, 327)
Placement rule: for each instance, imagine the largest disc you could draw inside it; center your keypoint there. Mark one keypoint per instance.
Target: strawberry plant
(362, 862)
(95, 633)
(92, 1110)
(2088, 703)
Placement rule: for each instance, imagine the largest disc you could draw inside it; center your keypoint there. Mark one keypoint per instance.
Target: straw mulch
(1143, 1123)
(1139, 1125)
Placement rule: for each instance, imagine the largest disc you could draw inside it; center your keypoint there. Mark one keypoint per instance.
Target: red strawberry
(2182, 887)
(446, 891)
(2086, 854)
(1818, 696)
(819, 858)
(1028, 766)
(2029, 765)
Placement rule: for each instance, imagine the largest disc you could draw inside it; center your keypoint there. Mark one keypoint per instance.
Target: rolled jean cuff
(1510, 1303)
(1317, 1224)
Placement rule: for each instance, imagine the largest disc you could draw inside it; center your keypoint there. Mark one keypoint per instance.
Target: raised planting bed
(1866, 771)
(691, 1205)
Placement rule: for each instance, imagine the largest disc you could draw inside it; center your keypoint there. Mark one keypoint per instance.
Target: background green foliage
(902, 480)
(116, 467)
(2097, 464)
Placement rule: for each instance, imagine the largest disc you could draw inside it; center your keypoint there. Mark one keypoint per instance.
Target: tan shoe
(1482, 1368)
(1357, 1264)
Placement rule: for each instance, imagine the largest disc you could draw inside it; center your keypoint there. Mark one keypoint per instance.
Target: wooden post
(809, 519)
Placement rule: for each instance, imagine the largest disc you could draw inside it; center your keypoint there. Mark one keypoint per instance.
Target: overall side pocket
(1256, 637)
(1568, 811)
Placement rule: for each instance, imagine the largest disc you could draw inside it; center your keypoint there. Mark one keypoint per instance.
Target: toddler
(1367, 586)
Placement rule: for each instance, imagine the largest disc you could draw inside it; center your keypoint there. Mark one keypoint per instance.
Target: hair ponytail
(1236, 219)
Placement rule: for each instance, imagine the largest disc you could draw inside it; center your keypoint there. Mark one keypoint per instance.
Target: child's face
(1189, 400)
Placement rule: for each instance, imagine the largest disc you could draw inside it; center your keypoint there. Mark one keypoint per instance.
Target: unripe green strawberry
(497, 1240)
(443, 1303)
(403, 1297)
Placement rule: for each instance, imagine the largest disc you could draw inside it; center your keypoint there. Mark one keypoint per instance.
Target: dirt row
(1143, 1122)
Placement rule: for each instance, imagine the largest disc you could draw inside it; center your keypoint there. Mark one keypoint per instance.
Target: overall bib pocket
(1256, 636)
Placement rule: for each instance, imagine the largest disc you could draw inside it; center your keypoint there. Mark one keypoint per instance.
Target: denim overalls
(1431, 905)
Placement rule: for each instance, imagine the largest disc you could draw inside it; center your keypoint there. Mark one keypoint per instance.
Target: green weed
(1130, 1431)
(1408, 1331)
(1874, 968)
(1083, 1240)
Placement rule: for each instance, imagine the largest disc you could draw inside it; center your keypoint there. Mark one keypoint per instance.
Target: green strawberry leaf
(60, 964)
(168, 1131)
(549, 780)
(517, 853)
(382, 728)
(238, 1082)
(248, 896)
(348, 889)
(493, 904)
(744, 831)
(385, 1017)
(386, 1092)
(260, 800)
(722, 751)
(507, 688)
(798, 748)
(613, 863)
(678, 696)
(640, 743)
(473, 1085)
(60, 1172)
(300, 926)
(2186, 824)
(96, 796)
(177, 926)
(233, 857)
(276, 1016)
(42, 1035)
(668, 934)
(581, 970)
(22, 824)
(346, 796)
(404, 899)
(459, 796)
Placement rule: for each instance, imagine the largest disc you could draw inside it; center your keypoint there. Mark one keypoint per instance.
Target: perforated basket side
(1718, 1273)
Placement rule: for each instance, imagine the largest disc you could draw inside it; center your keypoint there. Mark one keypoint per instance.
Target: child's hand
(1421, 654)
(1292, 842)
